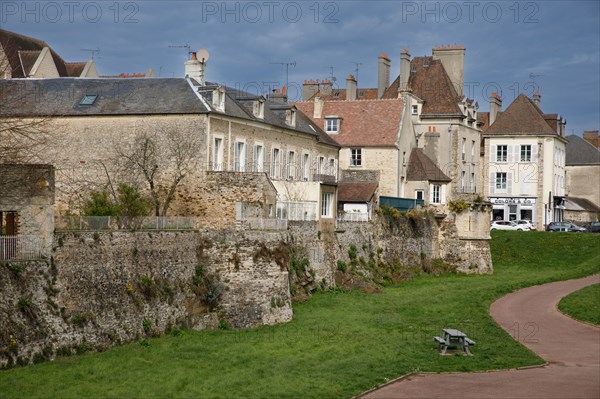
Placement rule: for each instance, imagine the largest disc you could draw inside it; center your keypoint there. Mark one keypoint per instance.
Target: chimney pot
(194, 56)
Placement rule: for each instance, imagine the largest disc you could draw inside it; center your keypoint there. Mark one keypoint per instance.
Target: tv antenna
(356, 68)
(331, 77)
(287, 69)
(93, 52)
(533, 75)
(185, 46)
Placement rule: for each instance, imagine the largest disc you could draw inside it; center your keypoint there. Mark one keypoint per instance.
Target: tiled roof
(484, 118)
(364, 123)
(521, 117)
(356, 192)
(75, 69)
(422, 168)
(580, 152)
(127, 75)
(431, 84)
(340, 94)
(28, 59)
(580, 204)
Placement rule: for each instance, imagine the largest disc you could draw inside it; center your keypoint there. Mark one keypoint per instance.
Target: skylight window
(88, 99)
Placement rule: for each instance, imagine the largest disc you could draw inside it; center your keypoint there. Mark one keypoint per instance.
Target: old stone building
(250, 147)
(582, 176)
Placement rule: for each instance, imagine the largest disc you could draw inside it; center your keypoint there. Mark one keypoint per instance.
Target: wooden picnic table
(453, 337)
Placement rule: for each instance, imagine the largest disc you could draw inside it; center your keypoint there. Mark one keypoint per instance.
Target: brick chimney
(351, 87)
(453, 60)
(537, 98)
(592, 137)
(318, 109)
(383, 74)
(495, 107)
(404, 69)
(195, 69)
(279, 96)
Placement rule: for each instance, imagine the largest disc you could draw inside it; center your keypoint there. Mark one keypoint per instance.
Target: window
(291, 165)
(419, 194)
(464, 149)
(502, 153)
(426, 62)
(219, 99)
(320, 165)
(463, 183)
(88, 99)
(415, 109)
(473, 151)
(435, 194)
(355, 157)
(290, 117)
(305, 167)
(332, 168)
(218, 154)
(275, 163)
(258, 158)
(526, 153)
(332, 125)
(413, 68)
(240, 156)
(501, 181)
(473, 188)
(9, 224)
(258, 108)
(327, 205)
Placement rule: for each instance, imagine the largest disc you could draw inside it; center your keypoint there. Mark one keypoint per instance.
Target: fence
(21, 248)
(402, 204)
(297, 210)
(125, 223)
(354, 217)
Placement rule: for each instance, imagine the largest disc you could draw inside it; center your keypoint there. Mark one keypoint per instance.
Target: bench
(469, 341)
(455, 338)
(442, 344)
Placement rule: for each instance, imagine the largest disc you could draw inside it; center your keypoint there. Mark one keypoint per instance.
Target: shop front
(514, 208)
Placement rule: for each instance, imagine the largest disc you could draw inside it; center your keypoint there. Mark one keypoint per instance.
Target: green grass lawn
(583, 304)
(338, 345)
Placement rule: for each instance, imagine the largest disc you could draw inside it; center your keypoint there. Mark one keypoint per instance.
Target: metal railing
(265, 224)
(354, 217)
(297, 210)
(125, 223)
(21, 248)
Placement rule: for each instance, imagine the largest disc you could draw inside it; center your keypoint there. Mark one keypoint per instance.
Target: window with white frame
(472, 150)
(258, 108)
(415, 109)
(320, 165)
(464, 149)
(258, 158)
(275, 163)
(502, 153)
(305, 167)
(419, 194)
(526, 153)
(332, 124)
(501, 181)
(463, 183)
(436, 192)
(218, 154)
(326, 205)
(291, 165)
(240, 156)
(355, 157)
(332, 168)
(473, 185)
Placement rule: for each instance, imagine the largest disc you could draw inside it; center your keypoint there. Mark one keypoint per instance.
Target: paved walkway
(571, 348)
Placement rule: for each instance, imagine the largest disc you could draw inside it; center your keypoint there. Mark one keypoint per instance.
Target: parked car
(565, 226)
(507, 225)
(527, 223)
(594, 227)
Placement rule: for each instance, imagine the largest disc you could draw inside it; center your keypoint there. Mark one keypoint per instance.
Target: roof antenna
(185, 46)
(93, 52)
(287, 69)
(532, 76)
(356, 68)
(332, 78)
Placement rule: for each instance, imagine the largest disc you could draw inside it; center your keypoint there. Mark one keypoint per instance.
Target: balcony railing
(354, 217)
(21, 248)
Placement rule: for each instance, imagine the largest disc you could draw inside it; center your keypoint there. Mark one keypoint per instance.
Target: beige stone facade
(583, 181)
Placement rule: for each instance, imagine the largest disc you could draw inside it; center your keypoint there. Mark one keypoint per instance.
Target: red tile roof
(364, 122)
(340, 94)
(523, 116)
(356, 192)
(422, 168)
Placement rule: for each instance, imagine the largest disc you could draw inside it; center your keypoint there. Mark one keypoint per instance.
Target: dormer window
(426, 62)
(332, 124)
(258, 108)
(415, 109)
(290, 117)
(219, 98)
(413, 68)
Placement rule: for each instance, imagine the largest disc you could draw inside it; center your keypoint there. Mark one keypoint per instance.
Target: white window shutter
(431, 193)
(534, 150)
(255, 167)
(510, 150)
(493, 154)
(280, 164)
(443, 194)
(509, 183)
(245, 165)
(236, 158)
(492, 183)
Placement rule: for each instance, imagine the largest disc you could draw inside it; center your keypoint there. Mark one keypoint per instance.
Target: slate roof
(356, 192)
(122, 96)
(422, 168)
(365, 123)
(523, 117)
(580, 152)
(580, 204)
(432, 85)
(14, 43)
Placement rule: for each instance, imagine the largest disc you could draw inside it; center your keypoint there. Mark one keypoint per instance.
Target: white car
(507, 225)
(526, 223)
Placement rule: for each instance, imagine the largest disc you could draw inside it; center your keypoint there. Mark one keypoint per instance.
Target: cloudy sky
(511, 46)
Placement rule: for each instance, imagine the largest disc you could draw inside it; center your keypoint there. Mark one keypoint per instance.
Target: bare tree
(161, 157)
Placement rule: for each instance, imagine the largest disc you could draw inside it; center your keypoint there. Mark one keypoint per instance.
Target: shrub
(457, 206)
(147, 324)
(16, 268)
(24, 303)
(80, 319)
(98, 204)
(214, 291)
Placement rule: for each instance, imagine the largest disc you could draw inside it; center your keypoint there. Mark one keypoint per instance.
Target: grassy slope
(339, 344)
(583, 304)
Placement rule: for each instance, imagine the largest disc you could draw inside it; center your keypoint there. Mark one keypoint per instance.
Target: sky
(512, 47)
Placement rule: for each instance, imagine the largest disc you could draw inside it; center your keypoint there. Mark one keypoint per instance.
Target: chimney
(195, 69)
(351, 87)
(453, 60)
(592, 137)
(325, 87)
(404, 69)
(279, 96)
(318, 109)
(495, 107)
(383, 74)
(309, 89)
(537, 98)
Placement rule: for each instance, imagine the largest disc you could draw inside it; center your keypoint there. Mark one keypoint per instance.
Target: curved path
(571, 349)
